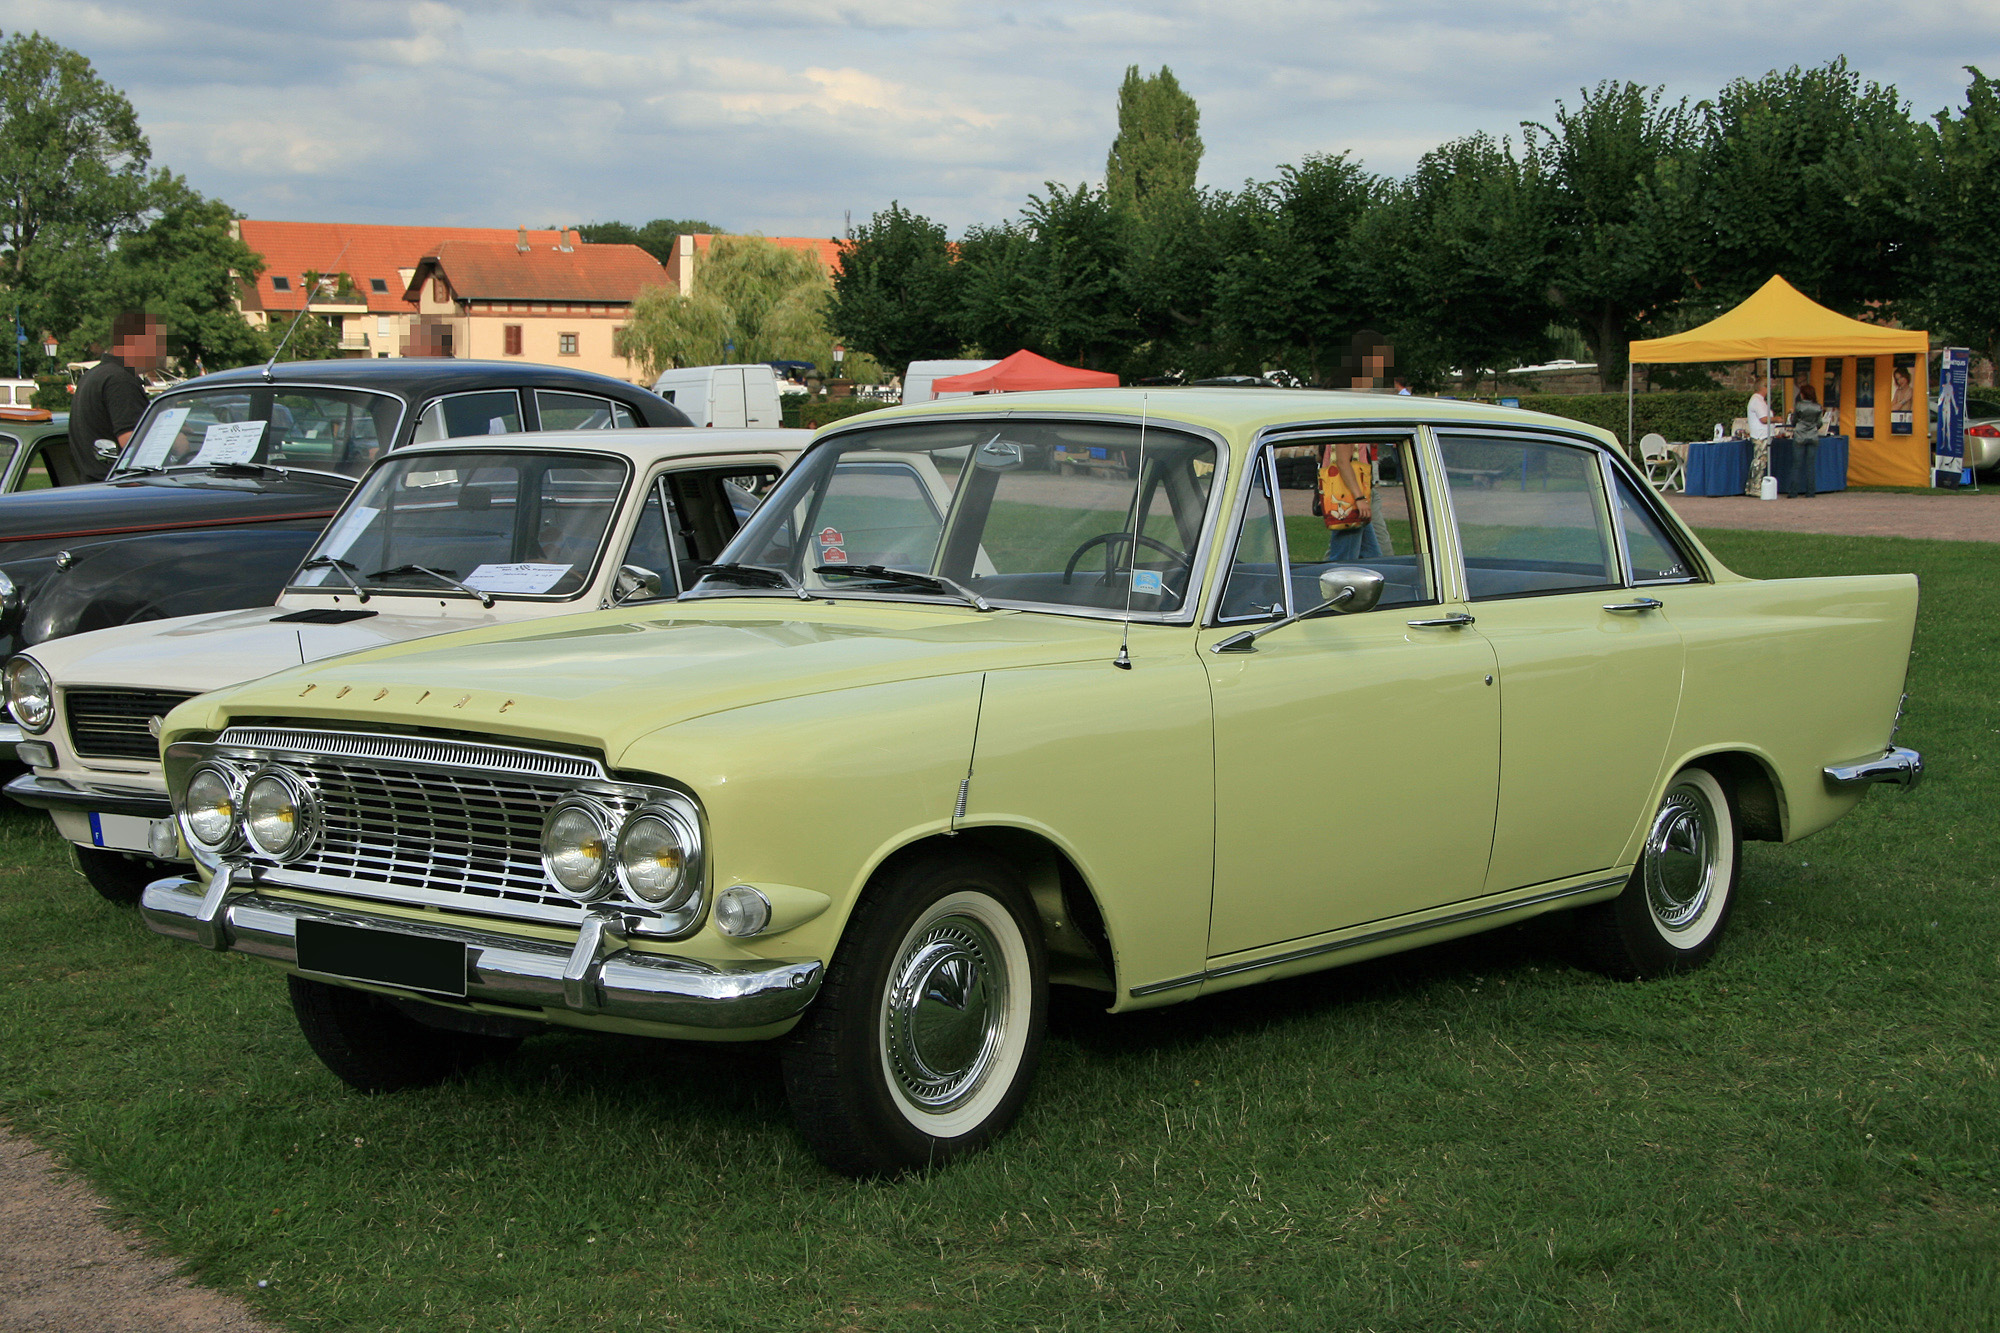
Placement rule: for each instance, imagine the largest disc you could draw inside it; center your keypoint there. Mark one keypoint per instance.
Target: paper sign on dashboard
(230, 442)
(525, 578)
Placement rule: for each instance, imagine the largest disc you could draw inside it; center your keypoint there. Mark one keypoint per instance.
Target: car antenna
(304, 306)
(1124, 659)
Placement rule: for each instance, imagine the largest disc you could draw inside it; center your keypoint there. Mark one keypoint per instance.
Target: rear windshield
(321, 430)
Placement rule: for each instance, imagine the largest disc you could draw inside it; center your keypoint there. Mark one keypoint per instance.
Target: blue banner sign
(1948, 455)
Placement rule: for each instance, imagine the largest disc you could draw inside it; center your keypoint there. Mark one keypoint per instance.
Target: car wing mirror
(1344, 590)
(108, 450)
(634, 583)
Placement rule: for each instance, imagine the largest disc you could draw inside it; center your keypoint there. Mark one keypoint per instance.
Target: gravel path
(63, 1270)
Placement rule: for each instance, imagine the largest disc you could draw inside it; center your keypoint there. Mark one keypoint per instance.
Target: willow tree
(752, 300)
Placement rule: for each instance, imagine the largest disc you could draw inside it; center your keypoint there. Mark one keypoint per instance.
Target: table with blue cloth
(1722, 467)
(1829, 466)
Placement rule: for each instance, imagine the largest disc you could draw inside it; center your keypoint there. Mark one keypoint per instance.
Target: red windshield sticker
(831, 537)
(832, 555)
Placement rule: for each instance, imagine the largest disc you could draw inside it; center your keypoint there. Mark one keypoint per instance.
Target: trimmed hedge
(812, 413)
(52, 392)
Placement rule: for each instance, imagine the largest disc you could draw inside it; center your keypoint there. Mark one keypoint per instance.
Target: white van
(917, 379)
(723, 395)
(17, 393)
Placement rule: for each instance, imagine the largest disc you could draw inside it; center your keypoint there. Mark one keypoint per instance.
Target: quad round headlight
(279, 814)
(576, 848)
(208, 809)
(30, 697)
(657, 857)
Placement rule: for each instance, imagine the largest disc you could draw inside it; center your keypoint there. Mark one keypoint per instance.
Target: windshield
(322, 430)
(513, 523)
(1013, 511)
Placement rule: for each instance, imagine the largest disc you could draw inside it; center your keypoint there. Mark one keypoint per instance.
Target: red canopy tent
(1025, 370)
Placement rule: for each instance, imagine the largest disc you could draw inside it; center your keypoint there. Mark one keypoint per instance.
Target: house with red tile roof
(498, 292)
(691, 249)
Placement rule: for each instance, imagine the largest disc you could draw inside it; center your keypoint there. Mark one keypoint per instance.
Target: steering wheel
(1109, 538)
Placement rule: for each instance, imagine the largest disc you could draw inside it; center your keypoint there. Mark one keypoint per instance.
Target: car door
(1356, 756)
(688, 516)
(1589, 668)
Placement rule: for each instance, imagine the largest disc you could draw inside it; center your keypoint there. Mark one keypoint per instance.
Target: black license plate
(357, 953)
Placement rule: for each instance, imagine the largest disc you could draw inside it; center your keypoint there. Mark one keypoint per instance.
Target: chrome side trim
(1897, 764)
(514, 970)
(1377, 936)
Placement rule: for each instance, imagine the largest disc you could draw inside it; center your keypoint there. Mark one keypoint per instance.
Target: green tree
(1054, 282)
(1456, 253)
(768, 301)
(1951, 197)
(72, 176)
(656, 238)
(1780, 188)
(1158, 148)
(898, 292)
(184, 266)
(1613, 241)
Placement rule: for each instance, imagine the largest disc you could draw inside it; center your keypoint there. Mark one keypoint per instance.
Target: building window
(512, 333)
(378, 284)
(439, 292)
(280, 284)
(566, 344)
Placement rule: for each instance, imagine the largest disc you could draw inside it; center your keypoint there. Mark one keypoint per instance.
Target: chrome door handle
(1642, 604)
(1456, 620)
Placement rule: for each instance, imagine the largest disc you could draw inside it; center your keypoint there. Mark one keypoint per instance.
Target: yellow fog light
(741, 910)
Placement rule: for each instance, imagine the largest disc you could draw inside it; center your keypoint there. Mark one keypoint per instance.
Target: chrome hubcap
(946, 1005)
(1681, 854)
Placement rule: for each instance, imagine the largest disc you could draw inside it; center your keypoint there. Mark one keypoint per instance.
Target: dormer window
(378, 284)
(280, 283)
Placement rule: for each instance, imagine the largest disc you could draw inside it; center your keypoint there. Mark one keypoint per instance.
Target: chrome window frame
(1641, 491)
(1186, 614)
(1272, 438)
(168, 399)
(1534, 435)
(613, 526)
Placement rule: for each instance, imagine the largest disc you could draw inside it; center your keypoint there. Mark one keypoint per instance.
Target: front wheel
(373, 1046)
(923, 1040)
(120, 877)
(1671, 915)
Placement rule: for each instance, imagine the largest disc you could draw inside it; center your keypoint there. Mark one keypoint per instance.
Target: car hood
(605, 679)
(109, 508)
(207, 652)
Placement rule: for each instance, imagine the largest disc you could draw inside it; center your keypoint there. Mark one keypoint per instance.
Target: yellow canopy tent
(1779, 321)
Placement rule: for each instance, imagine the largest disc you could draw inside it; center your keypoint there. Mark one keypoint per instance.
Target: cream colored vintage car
(472, 532)
(943, 727)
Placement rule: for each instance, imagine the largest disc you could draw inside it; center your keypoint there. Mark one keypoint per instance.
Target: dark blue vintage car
(228, 478)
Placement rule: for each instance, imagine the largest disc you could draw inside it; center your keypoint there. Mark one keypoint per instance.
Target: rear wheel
(371, 1045)
(120, 876)
(1671, 916)
(923, 1041)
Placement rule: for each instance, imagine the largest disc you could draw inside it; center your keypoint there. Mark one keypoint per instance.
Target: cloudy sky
(778, 115)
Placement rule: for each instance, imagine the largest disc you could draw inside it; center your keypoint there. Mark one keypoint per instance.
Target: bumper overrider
(599, 975)
(1897, 764)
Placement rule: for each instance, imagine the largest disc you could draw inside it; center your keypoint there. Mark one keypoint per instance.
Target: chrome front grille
(118, 724)
(413, 819)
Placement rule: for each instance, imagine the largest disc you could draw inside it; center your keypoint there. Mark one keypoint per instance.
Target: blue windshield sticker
(1147, 580)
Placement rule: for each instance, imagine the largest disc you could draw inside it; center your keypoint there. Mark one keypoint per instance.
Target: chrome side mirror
(107, 450)
(1344, 589)
(634, 583)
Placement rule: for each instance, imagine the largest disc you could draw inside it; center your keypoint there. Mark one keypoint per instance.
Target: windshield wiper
(758, 575)
(340, 567)
(442, 576)
(911, 579)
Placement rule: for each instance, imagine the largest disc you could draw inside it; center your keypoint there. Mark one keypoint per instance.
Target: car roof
(1234, 411)
(417, 376)
(641, 446)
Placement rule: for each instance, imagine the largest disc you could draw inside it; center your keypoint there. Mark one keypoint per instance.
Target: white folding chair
(1664, 468)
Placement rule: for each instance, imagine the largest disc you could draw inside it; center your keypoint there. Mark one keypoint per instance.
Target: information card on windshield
(525, 578)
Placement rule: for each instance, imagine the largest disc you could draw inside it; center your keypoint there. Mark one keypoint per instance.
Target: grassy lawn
(1805, 1136)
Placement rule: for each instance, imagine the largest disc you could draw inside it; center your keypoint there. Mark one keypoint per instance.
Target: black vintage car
(228, 478)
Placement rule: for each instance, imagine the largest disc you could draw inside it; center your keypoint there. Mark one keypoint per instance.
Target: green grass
(1800, 1137)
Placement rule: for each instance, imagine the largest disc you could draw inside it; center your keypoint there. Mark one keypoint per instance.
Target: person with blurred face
(111, 397)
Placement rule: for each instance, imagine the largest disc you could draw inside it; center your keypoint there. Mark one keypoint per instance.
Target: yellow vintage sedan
(948, 723)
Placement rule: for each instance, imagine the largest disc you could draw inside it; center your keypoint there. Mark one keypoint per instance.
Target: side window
(1656, 556)
(575, 411)
(652, 545)
(495, 412)
(1319, 482)
(874, 513)
(1531, 516)
(1255, 588)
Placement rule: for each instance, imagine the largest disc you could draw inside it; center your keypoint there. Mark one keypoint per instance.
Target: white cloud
(777, 115)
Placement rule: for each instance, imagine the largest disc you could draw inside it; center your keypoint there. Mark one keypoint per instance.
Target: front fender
(818, 790)
(158, 576)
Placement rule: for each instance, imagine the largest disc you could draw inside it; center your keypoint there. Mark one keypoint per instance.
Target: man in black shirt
(110, 398)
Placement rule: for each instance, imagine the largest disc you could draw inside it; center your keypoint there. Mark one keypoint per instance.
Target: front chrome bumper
(40, 793)
(1904, 767)
(597, 976)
